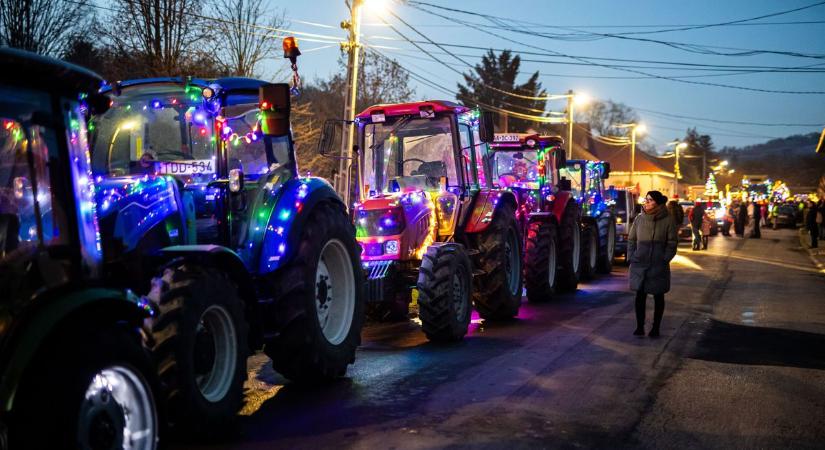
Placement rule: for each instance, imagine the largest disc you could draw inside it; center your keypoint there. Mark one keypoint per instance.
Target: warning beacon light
(291, 49)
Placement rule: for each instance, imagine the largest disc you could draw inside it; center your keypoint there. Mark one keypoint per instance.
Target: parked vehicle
(204, 212)
(598, 216)
(74, 371)
(786, 216)
(685, 232)
(626, 205)
(426, 218)
(529, 165)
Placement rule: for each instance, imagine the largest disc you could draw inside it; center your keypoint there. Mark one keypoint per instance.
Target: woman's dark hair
(657, 197)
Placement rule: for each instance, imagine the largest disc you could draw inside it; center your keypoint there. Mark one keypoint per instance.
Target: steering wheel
(413, 160)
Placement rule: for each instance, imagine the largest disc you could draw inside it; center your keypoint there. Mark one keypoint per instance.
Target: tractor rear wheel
(325, 281)
(569, 248)
(541, 258)
(444, 290)
(607, 249)
(499, 290)
(199, 342)
(590, 251)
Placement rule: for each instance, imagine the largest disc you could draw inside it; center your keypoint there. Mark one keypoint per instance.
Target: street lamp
(634, 129)
(677, 145)
(572, 99)
(353, 48)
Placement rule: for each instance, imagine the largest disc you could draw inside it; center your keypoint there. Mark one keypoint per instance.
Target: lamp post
(572, 99)
(353, 49)
(634, 129)
(677, 145)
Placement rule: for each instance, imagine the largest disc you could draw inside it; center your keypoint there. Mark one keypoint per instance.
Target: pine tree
(496, 73)
(711, 191)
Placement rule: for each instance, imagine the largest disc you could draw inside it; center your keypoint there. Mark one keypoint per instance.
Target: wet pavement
(739, 365)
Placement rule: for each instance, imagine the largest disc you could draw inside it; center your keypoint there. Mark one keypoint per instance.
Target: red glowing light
(203, 131)
(264, 105)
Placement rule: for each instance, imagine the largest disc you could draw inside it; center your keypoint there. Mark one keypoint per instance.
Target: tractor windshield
(517, 169)
(408, 153)
(573, 172)
(154, 129)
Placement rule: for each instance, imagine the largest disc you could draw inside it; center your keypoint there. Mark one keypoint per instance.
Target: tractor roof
(519, 140)
(230, 84)
(28, 69)
(402, 109)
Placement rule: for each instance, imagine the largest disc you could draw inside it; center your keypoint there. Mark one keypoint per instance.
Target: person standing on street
(810, 222)
(696, 215)
(651, 245)
(742, 214)
(757, 217)
(749, 220)
(676, 213)
(707, 224)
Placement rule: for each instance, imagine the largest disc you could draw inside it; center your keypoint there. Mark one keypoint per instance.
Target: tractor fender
(560, 204)
(214, 256)
(58, 313)
(278, 233)
(486, 205)
(542, 217)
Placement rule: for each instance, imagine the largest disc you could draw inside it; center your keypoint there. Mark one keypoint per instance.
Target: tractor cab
(420, 163)
(587, 184)
(527, 164)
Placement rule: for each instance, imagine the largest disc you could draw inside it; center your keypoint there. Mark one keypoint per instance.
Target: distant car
(785, 216)
(627, 207)
(716, 212)
(685, 233)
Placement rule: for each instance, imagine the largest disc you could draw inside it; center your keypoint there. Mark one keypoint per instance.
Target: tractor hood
(396, 226)
(131, 207)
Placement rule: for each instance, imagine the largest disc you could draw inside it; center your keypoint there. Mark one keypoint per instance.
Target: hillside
(791, 159)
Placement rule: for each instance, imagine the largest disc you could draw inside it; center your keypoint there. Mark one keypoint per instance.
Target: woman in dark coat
(651, 244)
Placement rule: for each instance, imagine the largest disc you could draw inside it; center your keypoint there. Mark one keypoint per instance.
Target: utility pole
(353, 48)
(570, 98)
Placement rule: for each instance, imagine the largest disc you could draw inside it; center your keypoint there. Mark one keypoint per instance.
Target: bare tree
(169, 36)
(604, 115)
(247, 34)
(43, 26)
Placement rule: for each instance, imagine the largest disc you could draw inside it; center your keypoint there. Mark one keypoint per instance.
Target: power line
(662, 77)
(735, 122)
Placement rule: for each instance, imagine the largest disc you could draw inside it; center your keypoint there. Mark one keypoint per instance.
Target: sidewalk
(817, 254)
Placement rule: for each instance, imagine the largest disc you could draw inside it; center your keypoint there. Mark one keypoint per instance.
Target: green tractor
(74, 371)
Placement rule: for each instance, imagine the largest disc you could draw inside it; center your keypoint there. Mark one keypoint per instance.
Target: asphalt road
(739, 365)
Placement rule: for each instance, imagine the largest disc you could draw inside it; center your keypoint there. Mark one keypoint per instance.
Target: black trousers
(658, 309)
(814, 230)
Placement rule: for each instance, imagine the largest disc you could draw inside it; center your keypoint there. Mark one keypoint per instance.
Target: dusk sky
(782, 33)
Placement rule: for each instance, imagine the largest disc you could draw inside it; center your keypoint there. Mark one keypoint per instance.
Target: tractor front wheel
(607, 249)
(325, 281)
(444, 290)
(541, 261)
(199, 342)
(569, 248)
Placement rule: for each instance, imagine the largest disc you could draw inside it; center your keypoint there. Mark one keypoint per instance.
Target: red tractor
(529, 166)
(427, 218)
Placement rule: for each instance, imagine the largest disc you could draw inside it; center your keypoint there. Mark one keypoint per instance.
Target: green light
(262, 214)
(284, 215)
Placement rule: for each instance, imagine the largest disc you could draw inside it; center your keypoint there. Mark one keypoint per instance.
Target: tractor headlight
(391, 247)
(379, 222)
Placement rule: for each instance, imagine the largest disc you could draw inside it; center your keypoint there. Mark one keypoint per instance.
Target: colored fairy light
(284, 214)
(156, 104)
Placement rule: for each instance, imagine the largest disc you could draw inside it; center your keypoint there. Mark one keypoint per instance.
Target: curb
(817, 255)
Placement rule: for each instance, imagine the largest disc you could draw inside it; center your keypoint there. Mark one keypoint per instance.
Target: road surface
(739, 365)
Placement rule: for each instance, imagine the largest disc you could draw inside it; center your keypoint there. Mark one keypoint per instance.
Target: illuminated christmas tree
(711, 191)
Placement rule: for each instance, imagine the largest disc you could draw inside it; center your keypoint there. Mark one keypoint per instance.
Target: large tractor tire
(569, 248)
(498, 293)
(199, 343)
(105, 397)
(590, 251)
(541, 261)
(445, 281)
(607, 246)
(326, 280)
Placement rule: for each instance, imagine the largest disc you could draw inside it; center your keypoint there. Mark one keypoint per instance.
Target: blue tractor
(598, 214)
(204, 212)
(74, 370)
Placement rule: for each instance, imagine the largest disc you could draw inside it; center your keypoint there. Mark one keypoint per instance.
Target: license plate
(188, 167)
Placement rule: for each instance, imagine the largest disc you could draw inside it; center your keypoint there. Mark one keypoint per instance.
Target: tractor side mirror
(606, 171)
(486, 129)
(235, 180)
(327, 137)
(565, 185)
(561, 158)
(274, 103)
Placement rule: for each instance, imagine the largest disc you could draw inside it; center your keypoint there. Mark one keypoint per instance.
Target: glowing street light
(634, 129)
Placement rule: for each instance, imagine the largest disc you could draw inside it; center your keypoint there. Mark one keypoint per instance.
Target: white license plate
(188, 167)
